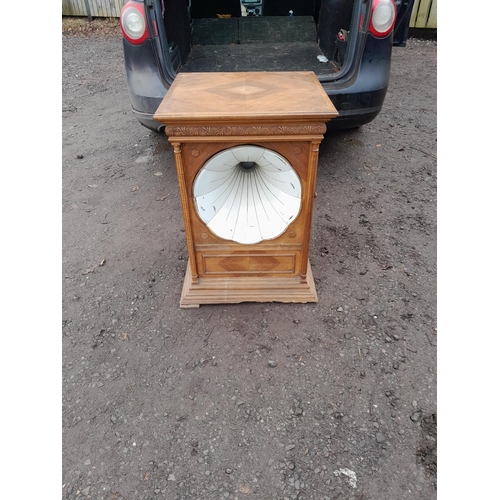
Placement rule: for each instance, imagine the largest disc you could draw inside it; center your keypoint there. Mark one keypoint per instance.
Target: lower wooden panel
(233, 290)
(242, 264)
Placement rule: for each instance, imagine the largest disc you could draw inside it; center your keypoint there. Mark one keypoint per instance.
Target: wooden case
(206, 113)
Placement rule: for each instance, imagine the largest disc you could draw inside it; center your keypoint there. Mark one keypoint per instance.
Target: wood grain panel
(245, 264)
(257, 97)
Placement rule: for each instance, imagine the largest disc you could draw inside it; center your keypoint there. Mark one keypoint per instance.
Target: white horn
(247, 194)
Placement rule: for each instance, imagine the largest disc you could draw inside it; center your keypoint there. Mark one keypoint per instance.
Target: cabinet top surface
(205, 97)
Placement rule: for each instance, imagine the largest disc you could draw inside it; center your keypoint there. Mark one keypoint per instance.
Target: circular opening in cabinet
(247, 194)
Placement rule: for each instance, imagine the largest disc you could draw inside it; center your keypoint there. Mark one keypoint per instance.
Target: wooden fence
(94, 8)
(424, 14)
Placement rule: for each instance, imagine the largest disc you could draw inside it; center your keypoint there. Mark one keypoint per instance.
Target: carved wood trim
(243, 130)
(185, 211)
(311, 187)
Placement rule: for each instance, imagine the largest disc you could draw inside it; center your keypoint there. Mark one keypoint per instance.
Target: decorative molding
(236, 130)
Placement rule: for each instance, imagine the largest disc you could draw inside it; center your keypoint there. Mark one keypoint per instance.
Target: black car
(347, 43)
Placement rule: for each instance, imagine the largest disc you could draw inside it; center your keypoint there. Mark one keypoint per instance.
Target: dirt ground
(334, 400)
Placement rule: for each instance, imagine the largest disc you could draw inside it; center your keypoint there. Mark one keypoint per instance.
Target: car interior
(257, 35)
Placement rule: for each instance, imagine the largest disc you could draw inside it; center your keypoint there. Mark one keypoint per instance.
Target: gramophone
(246, 151)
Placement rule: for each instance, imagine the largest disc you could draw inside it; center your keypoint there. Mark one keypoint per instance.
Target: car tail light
(133, 23)
(383, 17)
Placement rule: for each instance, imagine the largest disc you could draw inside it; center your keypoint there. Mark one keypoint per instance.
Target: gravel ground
(334, 400)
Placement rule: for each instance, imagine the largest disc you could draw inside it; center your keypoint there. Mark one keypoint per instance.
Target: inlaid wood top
(245, 97)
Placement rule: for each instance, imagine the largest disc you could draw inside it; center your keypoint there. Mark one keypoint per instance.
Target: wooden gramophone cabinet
(246, 151)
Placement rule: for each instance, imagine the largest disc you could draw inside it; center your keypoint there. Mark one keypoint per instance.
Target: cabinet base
(247, 289)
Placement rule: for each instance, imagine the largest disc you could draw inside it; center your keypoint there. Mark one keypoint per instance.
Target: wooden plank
(74, 8)
(414, 13)
(116, 8)
(432, 21)
(99, 10)
(67, 8)
(104, 8)
(423, 13)
(93, 8)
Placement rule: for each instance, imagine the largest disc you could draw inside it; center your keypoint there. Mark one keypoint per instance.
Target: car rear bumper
(147, 120)
(348, 119)
(359, 100)
(145, 86)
